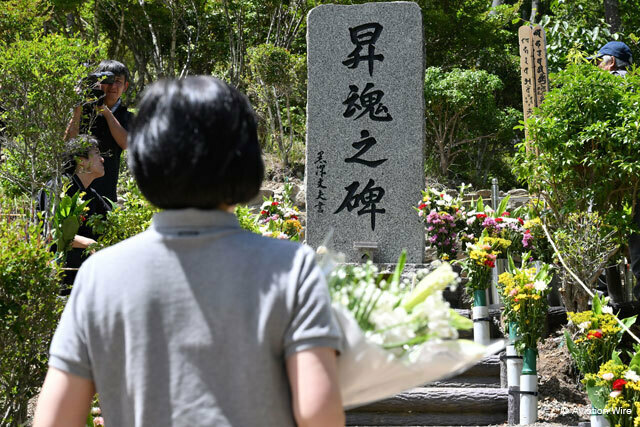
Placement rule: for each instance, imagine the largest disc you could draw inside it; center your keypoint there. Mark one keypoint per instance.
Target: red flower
(505, 213)
(489, 263)
(422, 206)
(499, 219)
(294, 217)
(594, 334)
(481, 216)
(263, 212)
(618, 384)
(83, 218)
(274, 203)
(521, 221)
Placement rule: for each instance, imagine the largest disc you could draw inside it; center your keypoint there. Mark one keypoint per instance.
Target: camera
(91, 86)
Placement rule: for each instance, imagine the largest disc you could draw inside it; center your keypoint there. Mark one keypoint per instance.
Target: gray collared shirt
(190, 323)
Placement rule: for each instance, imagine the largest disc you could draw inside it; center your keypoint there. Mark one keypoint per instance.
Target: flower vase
(529, 388)
(514, 361)
(597, 419)
(480, 317)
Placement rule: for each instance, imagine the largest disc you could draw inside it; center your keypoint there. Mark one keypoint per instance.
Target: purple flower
(526, 239)
(433, 238)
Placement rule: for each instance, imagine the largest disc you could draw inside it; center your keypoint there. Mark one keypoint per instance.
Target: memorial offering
(399, 333)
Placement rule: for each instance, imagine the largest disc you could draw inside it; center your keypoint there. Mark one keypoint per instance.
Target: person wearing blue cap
(614, 57)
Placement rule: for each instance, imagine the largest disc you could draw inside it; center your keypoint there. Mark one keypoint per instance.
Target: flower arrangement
(444, 220)
(524, 293)
(481, 258)
(279, 219)
(615, 390)
(593, 335)
(399, 332)
(393, 315)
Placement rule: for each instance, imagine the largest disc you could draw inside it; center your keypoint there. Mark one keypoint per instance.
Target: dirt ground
(561, 401)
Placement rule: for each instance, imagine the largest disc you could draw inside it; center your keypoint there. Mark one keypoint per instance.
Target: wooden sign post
(533, 68)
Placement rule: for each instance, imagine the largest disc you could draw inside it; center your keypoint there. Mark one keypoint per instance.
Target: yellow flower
(516, 307)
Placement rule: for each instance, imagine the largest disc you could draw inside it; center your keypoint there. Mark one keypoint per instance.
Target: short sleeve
(312, 321)
(69, 350)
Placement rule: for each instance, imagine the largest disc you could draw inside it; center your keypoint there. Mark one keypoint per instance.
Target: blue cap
(618, 49)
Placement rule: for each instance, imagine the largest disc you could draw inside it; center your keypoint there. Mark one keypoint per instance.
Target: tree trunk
(535, 5)
(612, 15)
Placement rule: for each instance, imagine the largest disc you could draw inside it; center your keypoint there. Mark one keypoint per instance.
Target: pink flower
(98, 421)
(513, 292)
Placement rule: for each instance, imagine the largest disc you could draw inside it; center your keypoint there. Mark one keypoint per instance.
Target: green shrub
(126, 220)
(585, 146)
(37, 79)
(29, 312)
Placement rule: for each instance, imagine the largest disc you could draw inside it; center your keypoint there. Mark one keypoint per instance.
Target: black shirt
(109, 148)
(96, 205)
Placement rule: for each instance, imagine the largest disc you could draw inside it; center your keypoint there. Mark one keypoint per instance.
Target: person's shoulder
(121, 252)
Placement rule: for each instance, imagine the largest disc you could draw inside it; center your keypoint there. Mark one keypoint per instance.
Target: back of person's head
(78, 147)
(194, 144)
(116, 67)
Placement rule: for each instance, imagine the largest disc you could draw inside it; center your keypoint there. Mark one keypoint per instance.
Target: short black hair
(194, 144)
(80, 146)
(116, 67)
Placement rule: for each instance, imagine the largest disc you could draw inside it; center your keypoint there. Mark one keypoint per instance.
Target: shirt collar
(193, 221)
(116, 105)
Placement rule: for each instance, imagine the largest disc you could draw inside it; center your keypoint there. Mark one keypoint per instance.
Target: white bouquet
(398, 333)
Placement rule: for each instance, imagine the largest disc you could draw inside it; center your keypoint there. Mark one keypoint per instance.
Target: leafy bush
(37, 79)
(586, 244)
(29, 311)
(132, 217)
(585, 146)
(462, 116)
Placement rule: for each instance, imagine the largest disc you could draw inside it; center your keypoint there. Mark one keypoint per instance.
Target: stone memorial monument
(365, 130)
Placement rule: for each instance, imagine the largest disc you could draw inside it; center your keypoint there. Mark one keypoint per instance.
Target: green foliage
(66, 219)
(586, 243)
(587, 134)
(278, 82)
(132, 217)
(22, 18)
(37, 79)
(462, 112)
(247, 220)
(29, 311)
(567, 40)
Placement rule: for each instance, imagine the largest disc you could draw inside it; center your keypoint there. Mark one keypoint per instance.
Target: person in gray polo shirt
(196, 322)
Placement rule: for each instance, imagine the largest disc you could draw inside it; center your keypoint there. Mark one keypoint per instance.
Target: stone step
(429, 406)
(485, 373)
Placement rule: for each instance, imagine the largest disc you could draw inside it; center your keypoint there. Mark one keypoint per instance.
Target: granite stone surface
(365, 129)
